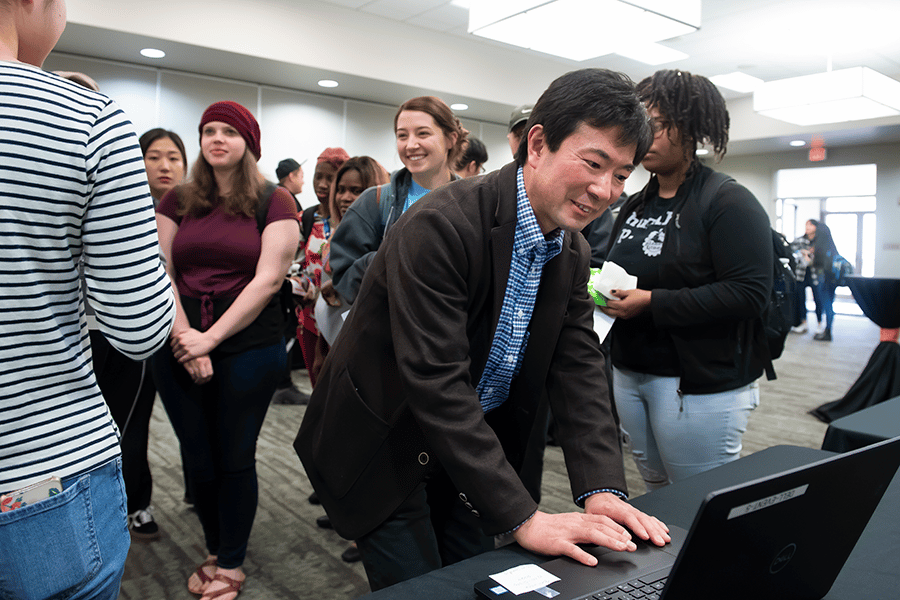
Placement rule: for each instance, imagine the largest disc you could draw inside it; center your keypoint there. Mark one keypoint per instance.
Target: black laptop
(782, 536)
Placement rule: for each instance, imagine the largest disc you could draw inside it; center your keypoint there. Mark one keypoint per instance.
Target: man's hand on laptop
(644, 526)
(557, 535)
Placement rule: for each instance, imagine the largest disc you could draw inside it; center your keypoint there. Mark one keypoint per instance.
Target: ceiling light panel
(487, 12)
(737, 82)
(687, 12)
(567, 28)
(650, 53)
(831, 97)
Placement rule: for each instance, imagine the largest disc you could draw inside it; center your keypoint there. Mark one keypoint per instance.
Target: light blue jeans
(674, 436)
(71, 546)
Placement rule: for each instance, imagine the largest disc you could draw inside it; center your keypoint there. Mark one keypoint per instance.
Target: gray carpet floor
(290, 557)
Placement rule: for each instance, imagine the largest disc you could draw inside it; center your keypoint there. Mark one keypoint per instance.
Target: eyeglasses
(659, 125)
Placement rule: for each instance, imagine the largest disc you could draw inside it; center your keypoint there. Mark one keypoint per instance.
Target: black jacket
(713, 281)
(397, 393)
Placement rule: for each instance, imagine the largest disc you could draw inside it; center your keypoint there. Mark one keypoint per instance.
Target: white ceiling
(769, 39)
(387, 51)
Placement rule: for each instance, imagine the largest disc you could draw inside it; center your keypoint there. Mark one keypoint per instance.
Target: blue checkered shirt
(531, 251)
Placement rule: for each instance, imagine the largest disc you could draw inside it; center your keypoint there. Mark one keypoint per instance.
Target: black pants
(800, 299)
(218, 424)
(129, 392)
(431, 529)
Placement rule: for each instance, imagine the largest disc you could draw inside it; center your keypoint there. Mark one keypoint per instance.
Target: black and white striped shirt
(72, 186)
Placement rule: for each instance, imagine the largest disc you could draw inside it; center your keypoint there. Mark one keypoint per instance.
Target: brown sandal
(202, 575)
(233, 586)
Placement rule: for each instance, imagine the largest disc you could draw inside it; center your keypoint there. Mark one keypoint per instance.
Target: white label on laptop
(739, 511)
(524, 578)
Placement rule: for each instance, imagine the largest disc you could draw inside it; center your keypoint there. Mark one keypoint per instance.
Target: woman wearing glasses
(687, 344)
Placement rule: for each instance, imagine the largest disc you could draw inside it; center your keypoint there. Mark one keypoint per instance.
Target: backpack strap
(385, 206)
(307, 218)
(262, 205)
(285, 295)
(708, 192)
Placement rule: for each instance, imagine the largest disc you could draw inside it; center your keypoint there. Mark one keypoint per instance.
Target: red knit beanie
(238, 117)
(333, 156)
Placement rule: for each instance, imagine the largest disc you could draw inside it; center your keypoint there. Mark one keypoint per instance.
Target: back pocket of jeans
(49, 549)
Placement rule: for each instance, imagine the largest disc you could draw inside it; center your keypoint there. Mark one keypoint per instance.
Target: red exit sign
(817, 150)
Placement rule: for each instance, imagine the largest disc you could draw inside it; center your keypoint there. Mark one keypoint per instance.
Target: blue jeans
(70, 546)
(217, 424)
(825, 291)
(675, 436)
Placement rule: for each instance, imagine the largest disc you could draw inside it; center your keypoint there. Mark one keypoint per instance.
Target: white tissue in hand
(613, 277)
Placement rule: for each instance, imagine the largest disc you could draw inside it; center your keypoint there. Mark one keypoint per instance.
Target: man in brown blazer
(471, 323)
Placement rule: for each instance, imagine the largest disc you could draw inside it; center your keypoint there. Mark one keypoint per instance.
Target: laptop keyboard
(644, 588)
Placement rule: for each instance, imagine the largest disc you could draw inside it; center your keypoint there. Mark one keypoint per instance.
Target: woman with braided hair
(687, 344)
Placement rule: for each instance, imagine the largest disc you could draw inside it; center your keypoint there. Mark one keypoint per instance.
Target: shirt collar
(528, 232)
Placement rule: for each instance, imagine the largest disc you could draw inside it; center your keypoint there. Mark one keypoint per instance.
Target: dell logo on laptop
(783, 558)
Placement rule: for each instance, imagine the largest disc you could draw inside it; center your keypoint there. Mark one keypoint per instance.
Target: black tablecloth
(874, 424)
(870, 572)
(879, 381)
(879, 299)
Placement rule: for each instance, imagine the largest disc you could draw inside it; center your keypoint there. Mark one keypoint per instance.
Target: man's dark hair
(694, 106)
(475, 150)
(598, 97)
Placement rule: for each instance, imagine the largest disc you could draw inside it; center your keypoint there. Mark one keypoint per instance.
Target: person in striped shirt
(72, 189)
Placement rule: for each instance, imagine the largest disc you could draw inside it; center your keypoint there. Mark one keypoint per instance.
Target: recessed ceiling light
(459, 106)
(702, 152)
(328, 83)
(797, 143)
(153, 53)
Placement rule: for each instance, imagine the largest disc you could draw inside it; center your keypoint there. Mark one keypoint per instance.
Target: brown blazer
(396, 397)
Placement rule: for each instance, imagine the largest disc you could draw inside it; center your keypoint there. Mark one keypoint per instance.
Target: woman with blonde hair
(228, 238)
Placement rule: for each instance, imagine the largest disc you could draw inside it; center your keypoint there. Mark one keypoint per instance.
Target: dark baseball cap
(286, 167)
(519, 115)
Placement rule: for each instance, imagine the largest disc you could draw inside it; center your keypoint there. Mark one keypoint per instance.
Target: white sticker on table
(524, 578)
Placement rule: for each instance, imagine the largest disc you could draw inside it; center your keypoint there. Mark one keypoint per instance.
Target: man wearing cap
(290, 177)
(517, 120)
(472, 322)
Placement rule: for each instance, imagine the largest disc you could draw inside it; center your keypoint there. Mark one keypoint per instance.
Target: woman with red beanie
(228, 238)
(316, 232)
